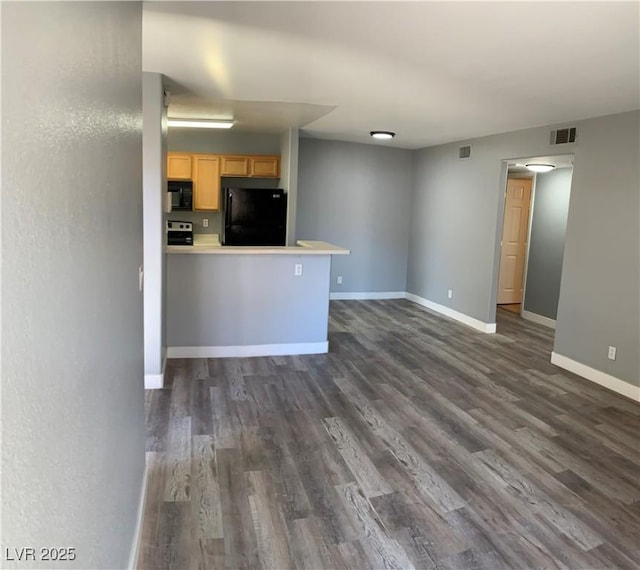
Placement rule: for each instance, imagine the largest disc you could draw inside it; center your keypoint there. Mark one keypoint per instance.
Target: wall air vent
(464, 152)
(563, 136)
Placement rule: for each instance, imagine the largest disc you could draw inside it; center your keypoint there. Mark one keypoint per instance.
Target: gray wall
(222, 141)
(600, 291)
(357, 196)
(453, 226)
(546, 242)
(233, 300)
(154, 155)
(456, 219)
(72, 350)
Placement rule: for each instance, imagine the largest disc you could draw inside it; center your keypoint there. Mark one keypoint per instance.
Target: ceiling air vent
(464, 151)
(563, 136)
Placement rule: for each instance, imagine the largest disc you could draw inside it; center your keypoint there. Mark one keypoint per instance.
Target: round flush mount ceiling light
(539, 167)
(382, 135)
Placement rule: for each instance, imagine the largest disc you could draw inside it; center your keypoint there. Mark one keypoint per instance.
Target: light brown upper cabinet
(264, 166)
(178, 166)
(206, 169)
(206, 182)
(234, 166)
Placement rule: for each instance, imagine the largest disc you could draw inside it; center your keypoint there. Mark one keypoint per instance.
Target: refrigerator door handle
(227, 215)
(228, 206)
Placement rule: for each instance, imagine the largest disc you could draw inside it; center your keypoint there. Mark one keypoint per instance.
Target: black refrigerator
(254, 216)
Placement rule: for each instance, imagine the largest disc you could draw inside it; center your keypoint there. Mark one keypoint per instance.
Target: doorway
(536, 205)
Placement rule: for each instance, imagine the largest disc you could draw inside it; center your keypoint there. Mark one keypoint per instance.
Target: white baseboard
(137, 534)
(535, 318)
(156, 381)
(337, 296)
(153, 381)
(248, 350)
(602, 378)
(447, 311)
(453, 314)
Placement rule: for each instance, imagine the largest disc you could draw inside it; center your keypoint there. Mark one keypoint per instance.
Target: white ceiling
(433, 72)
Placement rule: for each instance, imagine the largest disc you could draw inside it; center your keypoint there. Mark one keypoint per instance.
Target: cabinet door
(178, 166)
(234, 166)
(264, 166)
(206, 182)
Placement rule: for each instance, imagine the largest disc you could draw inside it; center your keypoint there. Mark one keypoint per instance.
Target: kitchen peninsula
(227, 301)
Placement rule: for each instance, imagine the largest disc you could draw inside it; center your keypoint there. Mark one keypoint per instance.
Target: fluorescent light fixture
(382, 135)
(539, 167)
(200, 123)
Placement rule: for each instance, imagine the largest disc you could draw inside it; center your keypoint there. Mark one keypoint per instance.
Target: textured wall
(72, 366)
(357, 196)
(546, 242)
(154, 161)
(233, 300)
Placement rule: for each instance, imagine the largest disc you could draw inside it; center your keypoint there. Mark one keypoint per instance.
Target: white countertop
(210, 244)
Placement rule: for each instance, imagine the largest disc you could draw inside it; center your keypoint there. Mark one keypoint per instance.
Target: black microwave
(181, 194)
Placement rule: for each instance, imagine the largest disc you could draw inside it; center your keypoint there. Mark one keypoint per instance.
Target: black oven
(181, 194)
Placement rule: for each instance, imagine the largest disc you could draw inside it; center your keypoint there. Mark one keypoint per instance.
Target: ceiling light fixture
(539, 167)
(382, 135)
(200, 123)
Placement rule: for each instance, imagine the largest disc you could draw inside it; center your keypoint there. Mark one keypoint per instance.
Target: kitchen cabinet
(206, 182)
(205, 171)
(264, 166)
(178, 166)
(234, 165)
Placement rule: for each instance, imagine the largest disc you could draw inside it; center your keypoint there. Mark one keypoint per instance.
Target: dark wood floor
(417, 442)
(512, 308)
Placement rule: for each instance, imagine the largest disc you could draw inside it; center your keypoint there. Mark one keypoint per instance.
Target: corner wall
(600, 291)
(289, 179)
(154, 140)
(357, 196)
(72, 336)
(456, 223)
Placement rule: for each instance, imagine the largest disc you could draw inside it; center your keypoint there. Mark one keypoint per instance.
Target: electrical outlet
(450, 293)
(339, 279)
(205, 223)
(612, 353)
(297, 270)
